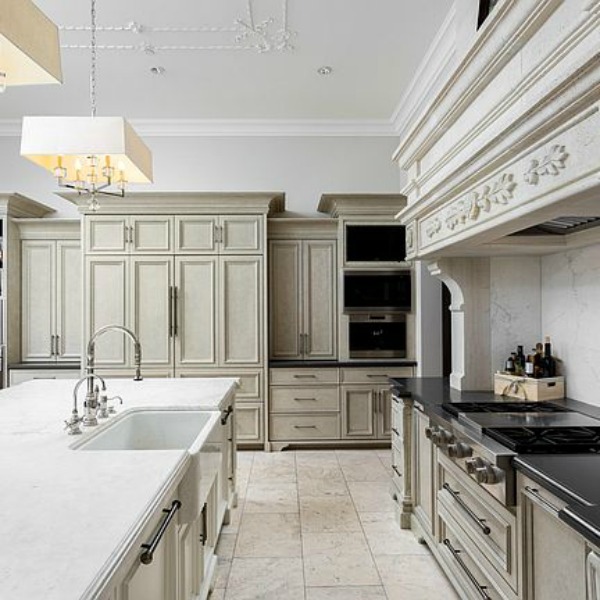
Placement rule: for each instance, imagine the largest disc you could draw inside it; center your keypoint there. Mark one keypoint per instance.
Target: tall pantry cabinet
(186, 273)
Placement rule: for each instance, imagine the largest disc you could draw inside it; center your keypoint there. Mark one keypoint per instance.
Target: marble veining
(570, 316)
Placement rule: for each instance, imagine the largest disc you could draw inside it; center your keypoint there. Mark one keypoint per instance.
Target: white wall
(302, 167)
(428, 335)
(571, 317)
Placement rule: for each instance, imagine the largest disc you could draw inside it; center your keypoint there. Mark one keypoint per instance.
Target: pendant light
(92, 155)
(29, 48)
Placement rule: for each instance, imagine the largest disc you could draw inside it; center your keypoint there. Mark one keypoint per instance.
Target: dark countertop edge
(45, 366)
(590, 531)
(288, 364)
(564, 493)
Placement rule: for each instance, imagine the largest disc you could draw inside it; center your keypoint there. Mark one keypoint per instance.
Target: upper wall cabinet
(509, 141)
(207, 234)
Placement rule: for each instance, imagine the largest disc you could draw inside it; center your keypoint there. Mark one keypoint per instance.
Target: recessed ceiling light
(325, 70)
(157, 70)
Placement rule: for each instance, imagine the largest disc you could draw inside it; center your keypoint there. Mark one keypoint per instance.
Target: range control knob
(430, 431)
(459, 450)
(446, 437)
(487, 474)
(472, 464)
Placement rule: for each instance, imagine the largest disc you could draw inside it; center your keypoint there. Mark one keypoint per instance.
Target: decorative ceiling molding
(269, 35)
(245, 127)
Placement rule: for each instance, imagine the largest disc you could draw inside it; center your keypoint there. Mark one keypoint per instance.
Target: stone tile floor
(319, 525)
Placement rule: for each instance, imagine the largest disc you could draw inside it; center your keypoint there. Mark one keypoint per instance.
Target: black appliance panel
(374, 336)
(381, 291)
(375, 243)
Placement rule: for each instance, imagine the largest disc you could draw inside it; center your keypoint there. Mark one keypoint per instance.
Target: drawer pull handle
(397, 470)
(395, 399)
(204, 535)
(147, 556)
(395, 431)
(478, 521)
(305, 376)
(305, 426)
(535, 495)
(481, 589)
(373, 376)
(225, 414)
(305, 399)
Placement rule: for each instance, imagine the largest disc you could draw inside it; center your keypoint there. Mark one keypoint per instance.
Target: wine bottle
(520, 362)
(509, 366)
(537, 361)
(529, 366)
(548, 362)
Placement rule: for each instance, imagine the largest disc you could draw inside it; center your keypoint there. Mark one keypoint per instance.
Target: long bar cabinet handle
(397, 470)
(147, 556)
(535, 495)
(225, 414)
(52, 345)
(204, 534)
(481, 589)
(477, 520)
(170, 309)
(175, 314)
(57, 345)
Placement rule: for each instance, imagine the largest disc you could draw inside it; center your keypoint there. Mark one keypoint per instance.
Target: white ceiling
(373, 47)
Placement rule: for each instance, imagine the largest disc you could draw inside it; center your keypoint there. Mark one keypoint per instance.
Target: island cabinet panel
(423, 484)
(50, 300)
(554, 554)
(358, 411)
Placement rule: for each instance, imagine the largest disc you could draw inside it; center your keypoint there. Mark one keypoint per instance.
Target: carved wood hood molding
(514, 134)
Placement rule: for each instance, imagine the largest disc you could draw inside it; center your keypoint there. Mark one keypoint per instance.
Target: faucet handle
(111, 409)
(72, 425)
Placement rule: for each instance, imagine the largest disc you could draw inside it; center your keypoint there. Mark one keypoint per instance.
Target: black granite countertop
(294, 364)
(575, 478)
(46, 365)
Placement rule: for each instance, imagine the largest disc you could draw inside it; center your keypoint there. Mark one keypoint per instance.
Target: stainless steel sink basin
(150, 430)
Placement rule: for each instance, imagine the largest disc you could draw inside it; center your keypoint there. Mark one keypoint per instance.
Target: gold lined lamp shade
(29, 45)
(67, 143)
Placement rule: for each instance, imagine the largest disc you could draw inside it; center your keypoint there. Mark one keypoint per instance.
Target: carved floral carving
(410, 238)
(434, 226)
(551, 164)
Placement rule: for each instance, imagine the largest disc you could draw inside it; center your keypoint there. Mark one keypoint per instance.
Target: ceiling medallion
(269, 35)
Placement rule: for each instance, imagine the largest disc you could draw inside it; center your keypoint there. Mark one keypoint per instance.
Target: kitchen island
(71, 518)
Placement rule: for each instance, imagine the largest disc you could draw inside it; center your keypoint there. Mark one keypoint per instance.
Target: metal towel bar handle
(481, 589)
(147, 556)
(479, 521)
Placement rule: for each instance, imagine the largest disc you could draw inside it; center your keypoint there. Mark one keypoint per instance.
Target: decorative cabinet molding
(549, 165)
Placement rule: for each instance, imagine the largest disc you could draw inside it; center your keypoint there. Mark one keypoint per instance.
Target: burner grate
(502, 407)
(548, 440)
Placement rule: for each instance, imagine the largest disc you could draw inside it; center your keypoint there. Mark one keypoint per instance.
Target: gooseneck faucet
(90, 405)
(91, 352)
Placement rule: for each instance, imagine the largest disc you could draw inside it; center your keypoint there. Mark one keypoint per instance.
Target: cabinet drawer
(305, 427)
(17, 376)
(461, 559)
(491, 527)
(303, 376)
(304, 399)
(376, 376)
(250, 381)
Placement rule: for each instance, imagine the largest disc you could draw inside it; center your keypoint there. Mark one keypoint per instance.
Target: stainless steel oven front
(377, 335)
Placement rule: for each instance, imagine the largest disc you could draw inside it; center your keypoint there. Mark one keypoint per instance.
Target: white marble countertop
(67, 514)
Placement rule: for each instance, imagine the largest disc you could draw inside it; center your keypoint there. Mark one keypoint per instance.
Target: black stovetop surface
(455, 408)
(548, 440)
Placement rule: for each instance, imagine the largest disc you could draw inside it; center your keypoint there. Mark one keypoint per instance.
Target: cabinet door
(195, 311)
(151, 283)
(151, 235)
(241, 234)
(384, 413)
(196, 235)
(285, 305)
(423, 483)
(555, 569)
(358, 411)
(320, 299)
(68, 300)
(241, 306)
(37, 300)
(107, 303)
(107, 234)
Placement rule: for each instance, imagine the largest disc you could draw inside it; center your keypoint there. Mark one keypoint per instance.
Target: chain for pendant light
(93, 59)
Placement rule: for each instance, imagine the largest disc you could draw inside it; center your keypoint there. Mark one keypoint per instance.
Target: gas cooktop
(503, 407)
(548, 440)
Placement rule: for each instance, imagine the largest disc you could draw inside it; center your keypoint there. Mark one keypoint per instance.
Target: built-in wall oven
(377, 336)
(377, 291)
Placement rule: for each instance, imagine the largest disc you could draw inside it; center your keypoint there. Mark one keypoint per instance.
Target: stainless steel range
(482, 438)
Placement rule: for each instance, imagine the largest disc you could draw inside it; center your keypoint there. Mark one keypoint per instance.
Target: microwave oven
(375, 243)
(377, 291)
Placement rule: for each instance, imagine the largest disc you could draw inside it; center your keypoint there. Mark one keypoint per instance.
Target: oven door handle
(477, 520)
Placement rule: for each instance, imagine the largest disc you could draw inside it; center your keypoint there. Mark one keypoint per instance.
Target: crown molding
(244, 127)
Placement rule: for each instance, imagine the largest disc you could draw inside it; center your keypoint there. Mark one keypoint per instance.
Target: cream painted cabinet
(119, 234)
(366, 412)
(303, 299)
(555, 555)
(423, 484)
(231, 234)
(50, 300)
